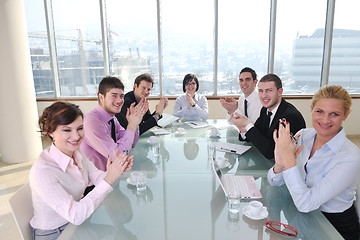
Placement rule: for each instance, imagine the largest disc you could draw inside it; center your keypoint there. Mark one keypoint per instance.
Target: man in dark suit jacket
(261, 132)
(142, 89)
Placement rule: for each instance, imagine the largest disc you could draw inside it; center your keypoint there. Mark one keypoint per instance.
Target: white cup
(214, 132)
(138, 178)
(255, 208)
(220, 162)
(181, 130)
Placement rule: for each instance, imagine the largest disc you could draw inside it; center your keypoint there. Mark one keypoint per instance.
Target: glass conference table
(183, 199)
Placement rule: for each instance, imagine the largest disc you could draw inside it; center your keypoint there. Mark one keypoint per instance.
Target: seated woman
(321, 171)
(60, 175)
(191, 106)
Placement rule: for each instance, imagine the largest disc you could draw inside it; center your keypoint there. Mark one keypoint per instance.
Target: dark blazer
(262, 136)
(147, 122)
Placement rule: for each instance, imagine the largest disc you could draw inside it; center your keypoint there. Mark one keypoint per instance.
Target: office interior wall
(217, 112)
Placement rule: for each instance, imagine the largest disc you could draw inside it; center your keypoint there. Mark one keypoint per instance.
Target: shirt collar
(62, 160)
(252, 96)
(196, 97)
(274, 110)
(103, 115)
(336, 143)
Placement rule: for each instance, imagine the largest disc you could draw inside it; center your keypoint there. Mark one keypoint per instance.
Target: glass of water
(234, 203)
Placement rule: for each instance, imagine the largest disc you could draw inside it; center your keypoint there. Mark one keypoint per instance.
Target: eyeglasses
(192, 84)
(281, 228)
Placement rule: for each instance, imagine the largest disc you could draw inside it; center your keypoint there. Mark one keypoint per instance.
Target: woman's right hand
(285, 149)
(117, 166)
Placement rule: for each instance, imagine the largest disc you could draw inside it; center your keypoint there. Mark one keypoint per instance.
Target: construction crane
(80, 42)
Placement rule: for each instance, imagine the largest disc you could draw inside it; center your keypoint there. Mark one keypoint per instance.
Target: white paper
(230, 147)
(197, 124)
(160, 131)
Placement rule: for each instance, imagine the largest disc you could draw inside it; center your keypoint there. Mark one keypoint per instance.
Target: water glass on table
(139, 179)
(234, 203)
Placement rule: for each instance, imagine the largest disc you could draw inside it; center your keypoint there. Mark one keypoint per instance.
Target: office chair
(22, 210)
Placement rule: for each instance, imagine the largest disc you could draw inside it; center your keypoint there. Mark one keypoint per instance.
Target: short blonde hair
(336, 92)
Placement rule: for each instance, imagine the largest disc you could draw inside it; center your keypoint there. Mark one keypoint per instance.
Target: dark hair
(144, 77)
(188, 77)
(108, 83)
(272, 78)
(58, 113)
(250, 70)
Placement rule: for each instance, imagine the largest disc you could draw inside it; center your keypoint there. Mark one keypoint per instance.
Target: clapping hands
(117, 166)
(285, 148)
(135, 114)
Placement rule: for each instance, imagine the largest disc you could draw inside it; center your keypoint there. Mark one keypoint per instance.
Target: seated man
(142, 88)
(274, 108)
(249, 103)
(103, 133)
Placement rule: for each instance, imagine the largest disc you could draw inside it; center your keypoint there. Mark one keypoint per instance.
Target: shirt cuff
(247, 127)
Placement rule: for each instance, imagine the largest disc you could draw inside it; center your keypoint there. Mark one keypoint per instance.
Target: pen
(291, 135)
(229, 150)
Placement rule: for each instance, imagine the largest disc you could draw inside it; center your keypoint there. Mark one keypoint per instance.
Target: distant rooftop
(337, 33)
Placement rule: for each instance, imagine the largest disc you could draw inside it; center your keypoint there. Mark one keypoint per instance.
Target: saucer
(148, 141)
(130, 182)
(263, 213)
(215, 136)
(179, 133)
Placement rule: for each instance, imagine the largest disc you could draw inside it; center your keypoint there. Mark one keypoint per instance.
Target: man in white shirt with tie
(249, 103)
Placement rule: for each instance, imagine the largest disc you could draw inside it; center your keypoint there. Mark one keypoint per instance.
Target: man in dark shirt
(142, 89)
(274, 108)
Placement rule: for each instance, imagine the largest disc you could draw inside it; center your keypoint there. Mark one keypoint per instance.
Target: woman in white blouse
(321, 171)
(191, 106)
(62, 172)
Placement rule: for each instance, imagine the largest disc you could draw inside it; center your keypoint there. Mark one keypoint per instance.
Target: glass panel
(299, 44)
(39, 48)
(243, 41)
(345, 53)
(133, 40)
(188, 44)
(78, 46)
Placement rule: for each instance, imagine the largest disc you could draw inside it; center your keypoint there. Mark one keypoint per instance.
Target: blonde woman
(321, 170)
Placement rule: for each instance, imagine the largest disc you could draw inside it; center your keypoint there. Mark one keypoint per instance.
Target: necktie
(245, 108)
(113, 135)
(267, 122)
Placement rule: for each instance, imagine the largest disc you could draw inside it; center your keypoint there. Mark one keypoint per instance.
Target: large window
(133, 44)
(211, 39)
(299, 44)
(345, 52)
(243, 41)
(188, 44)
(39, 50)
(78, 46)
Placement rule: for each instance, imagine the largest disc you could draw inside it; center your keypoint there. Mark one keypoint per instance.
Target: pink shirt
(98, 144)
(57, 187)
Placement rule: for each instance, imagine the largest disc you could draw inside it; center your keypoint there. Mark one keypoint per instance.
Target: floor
(13, 176)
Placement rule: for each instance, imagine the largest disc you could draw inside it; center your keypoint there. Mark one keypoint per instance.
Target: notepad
(166, 120)
(197, 124)
(230, 147)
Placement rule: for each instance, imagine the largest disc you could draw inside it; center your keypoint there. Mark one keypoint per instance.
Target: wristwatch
(157, 115)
